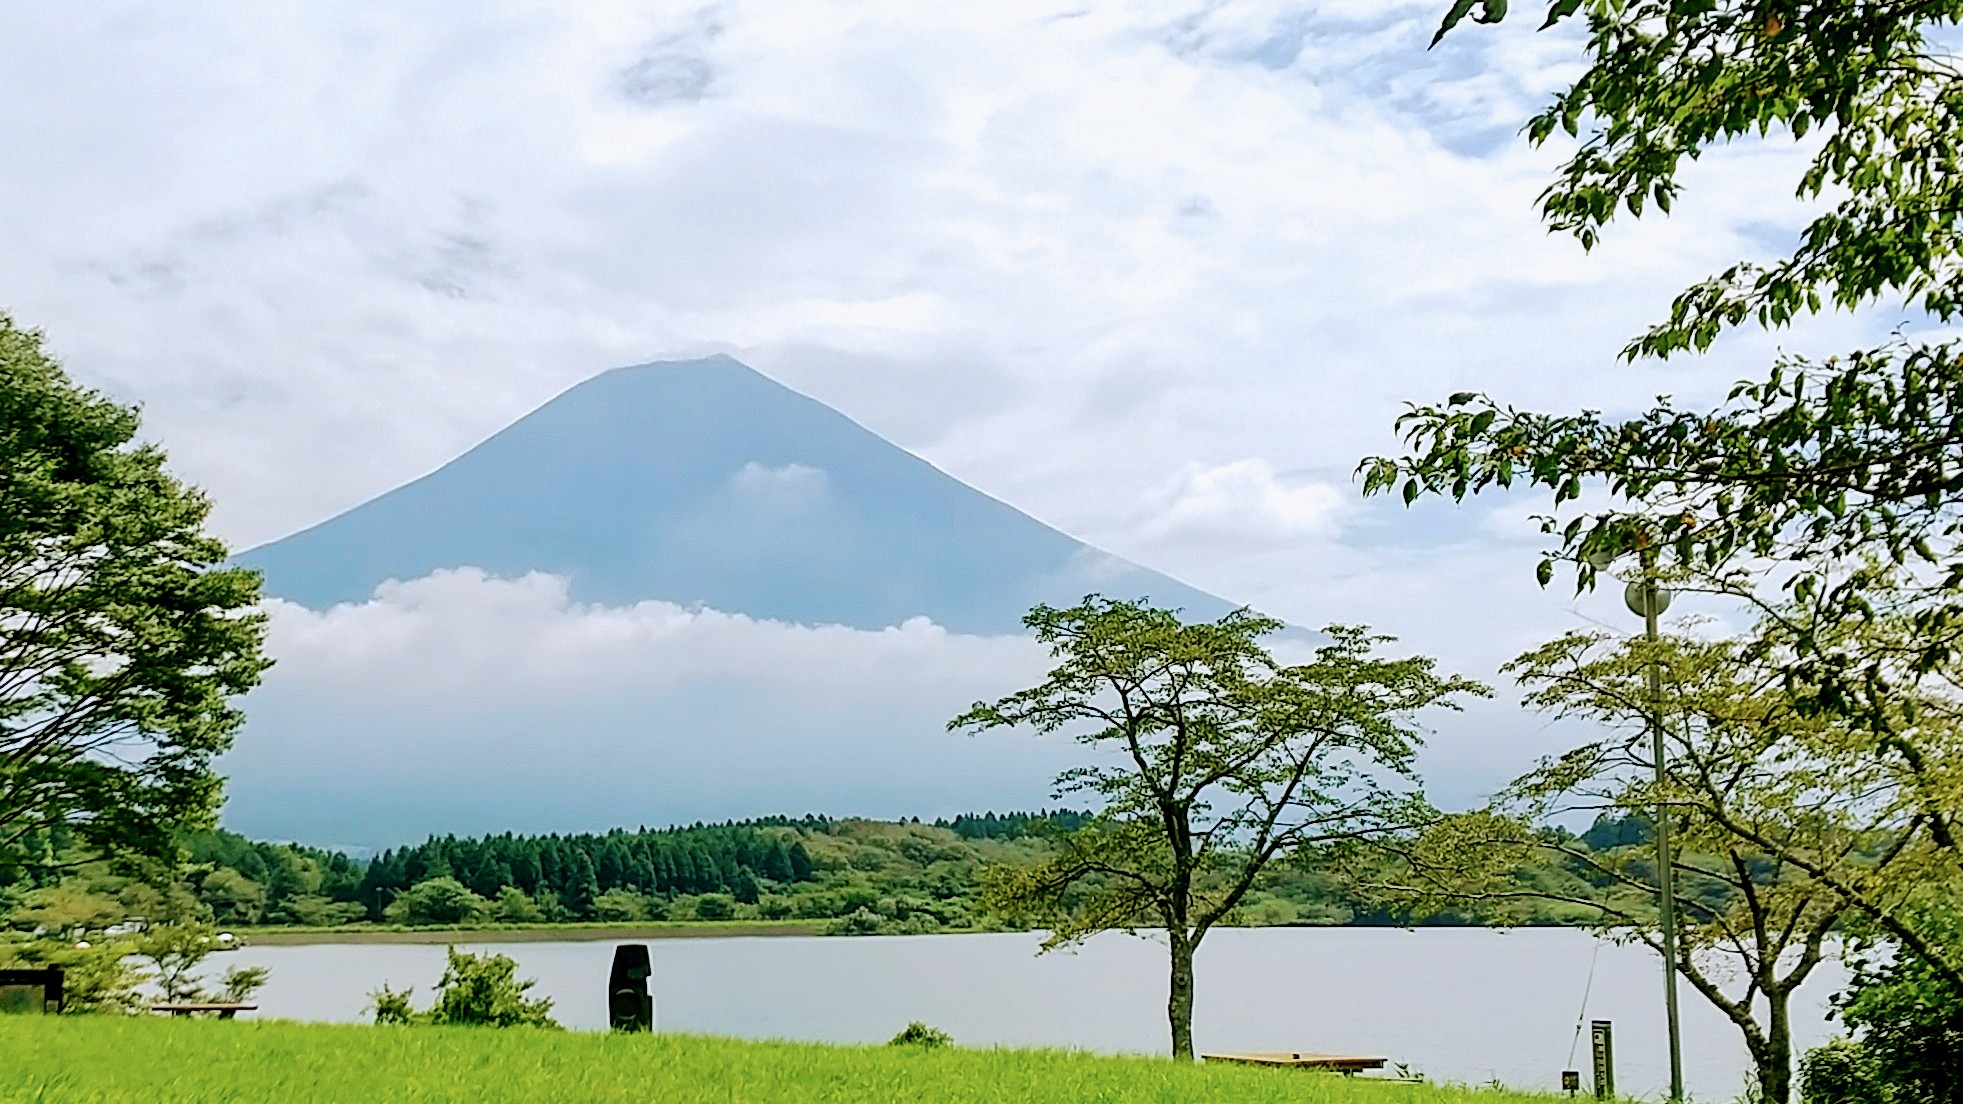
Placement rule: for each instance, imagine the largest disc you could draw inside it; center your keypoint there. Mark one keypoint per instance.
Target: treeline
(570, 873)
(846, 875)
(1013, 825)
(876, 875)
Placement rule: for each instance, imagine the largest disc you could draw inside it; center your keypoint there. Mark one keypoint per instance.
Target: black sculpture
(629, 1005)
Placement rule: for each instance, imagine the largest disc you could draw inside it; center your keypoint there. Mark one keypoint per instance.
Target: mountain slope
(703, 481)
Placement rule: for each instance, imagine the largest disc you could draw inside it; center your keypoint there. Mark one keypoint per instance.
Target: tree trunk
(1775, 1062)
(1179, 1001)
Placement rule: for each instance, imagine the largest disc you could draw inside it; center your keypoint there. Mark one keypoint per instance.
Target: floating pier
(1341, 1063)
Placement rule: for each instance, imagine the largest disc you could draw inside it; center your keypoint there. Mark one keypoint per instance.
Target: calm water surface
(1463, 1005)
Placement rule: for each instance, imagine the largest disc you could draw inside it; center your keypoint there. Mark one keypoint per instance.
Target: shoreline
(558, 933)
(712, 929)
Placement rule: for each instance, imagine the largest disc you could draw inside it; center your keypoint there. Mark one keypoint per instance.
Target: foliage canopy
(123, 638)
(1214, 760)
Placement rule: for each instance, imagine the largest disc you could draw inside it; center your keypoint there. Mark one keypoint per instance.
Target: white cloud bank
(474, 638)
(462, 702)
(469, 703)
(1242, 504)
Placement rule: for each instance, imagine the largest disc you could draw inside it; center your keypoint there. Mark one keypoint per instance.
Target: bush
(920, 1035)
(1910, 1025)
(715, 906)
(862, 922)
(620, 905)
(1841, 1072)
(481, 990)
(816, 906)
(392, 1006)
(514, 906)
(316, 911)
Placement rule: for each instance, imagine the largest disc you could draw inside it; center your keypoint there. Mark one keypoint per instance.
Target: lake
(1457, 1004)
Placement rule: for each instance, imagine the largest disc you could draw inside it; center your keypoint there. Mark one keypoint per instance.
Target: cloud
(463, 702)
(1157, 272)
(1241, 504)
(474, 637)
(782, 487)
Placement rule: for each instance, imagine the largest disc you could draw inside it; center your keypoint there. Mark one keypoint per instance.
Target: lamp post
(1648, 601)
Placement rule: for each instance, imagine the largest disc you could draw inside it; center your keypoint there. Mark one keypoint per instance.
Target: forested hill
(773, 868)
(850, 876)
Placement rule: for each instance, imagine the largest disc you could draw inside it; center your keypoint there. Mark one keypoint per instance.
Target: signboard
(30, 991)
(1602, 1045)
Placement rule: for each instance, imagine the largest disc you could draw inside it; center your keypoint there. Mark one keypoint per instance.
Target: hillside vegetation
(843, 877)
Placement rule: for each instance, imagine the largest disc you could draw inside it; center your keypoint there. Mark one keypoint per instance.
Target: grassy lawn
(114, 1060)
(526, 933)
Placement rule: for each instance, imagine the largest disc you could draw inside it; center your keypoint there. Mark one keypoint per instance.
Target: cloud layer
(461, 702)
(1158, 272)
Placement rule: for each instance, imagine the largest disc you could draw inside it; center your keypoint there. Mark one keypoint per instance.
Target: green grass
(116, 1060)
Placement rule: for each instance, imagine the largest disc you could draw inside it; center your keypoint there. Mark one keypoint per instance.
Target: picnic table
(225, 1011)
(1341, 1063)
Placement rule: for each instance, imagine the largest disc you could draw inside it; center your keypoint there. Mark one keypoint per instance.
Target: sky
(1159, 274)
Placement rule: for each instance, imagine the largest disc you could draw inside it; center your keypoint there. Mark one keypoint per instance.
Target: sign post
(1602, 1044)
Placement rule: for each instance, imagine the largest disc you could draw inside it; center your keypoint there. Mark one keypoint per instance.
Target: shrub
(1910, 1025)
(315, 911)
(475, 989)
(515, 906)
(715, 906)
(1841, 1072)
(920, 1035)
(620, 905)
(864, 921)
(391, 1006)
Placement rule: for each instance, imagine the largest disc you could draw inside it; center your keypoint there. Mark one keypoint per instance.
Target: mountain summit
(704, 481)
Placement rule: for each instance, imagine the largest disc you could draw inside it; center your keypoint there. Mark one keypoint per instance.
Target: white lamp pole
(1648, 601)
(1652, 600)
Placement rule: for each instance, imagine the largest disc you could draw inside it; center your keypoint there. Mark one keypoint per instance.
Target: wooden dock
(224, 1011)
(1340, 1063)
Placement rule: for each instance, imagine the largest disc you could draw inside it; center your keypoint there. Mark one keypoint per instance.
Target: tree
(437, 901)
(176, 954)
(744, 886)
(1910, 1022)
(1782, 837)
(1821, 460)
(1224, 760)
(1829, 480)
(233, 897)
(123, 637)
